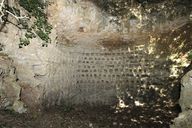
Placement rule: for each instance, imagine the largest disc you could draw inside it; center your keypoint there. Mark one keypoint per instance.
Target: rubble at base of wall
(9, 87)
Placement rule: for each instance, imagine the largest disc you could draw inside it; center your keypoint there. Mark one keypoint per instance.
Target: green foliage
(24, 42)
(190, 55)
(40, 27)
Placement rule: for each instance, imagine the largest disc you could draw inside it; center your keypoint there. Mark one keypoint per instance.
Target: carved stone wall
(91, 60)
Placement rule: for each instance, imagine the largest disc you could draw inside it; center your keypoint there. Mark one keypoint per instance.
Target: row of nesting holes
(122, 76)
(107, 58)
(129, 82)
(113, 70)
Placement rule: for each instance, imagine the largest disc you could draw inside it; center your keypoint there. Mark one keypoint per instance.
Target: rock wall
(185, 117)
(90, 61)
(9, 87)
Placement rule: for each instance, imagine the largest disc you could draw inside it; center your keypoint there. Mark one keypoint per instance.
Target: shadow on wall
(170, 61)
(136, 71)
(127, 73)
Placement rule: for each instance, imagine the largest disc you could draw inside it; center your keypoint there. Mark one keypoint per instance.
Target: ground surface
(86, 117)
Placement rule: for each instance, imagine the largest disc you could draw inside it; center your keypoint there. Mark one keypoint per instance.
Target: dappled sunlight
(111, 64)
(137, 103)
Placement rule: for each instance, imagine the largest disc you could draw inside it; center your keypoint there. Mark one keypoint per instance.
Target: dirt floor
(89, 117)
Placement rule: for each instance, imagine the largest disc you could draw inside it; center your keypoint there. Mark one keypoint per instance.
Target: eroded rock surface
(92, 60)
(9, 87)
(184, 120)
(186, 92)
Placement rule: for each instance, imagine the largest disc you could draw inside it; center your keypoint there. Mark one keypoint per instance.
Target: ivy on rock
(40, 26)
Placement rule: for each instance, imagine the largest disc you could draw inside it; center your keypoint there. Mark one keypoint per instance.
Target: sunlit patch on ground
(101, 117)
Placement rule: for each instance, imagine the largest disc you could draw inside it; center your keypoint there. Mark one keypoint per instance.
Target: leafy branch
(35, 24)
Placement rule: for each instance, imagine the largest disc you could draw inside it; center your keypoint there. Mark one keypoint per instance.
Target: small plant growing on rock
(190, 55)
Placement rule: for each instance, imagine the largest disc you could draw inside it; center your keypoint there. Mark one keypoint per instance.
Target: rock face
(186, 92)
(9, 88)
(91, 61)
(184, 120)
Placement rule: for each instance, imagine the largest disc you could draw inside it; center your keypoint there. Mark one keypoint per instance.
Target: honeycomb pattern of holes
(87, 54)
(132, 81)
(96, 54)
(110, 70)
(109, 75)
(131, 57)
(91, 75)
(123, 75)
(116, 69)
(113, 75)
(102, 81)
(101, 54)
(112, 54)
(82, 75)
(94, 70)
(138, 82)
(98, 81)
(124, 58)
(117, 53)
(107, 53)
(87, 62)
(105, 70)
(93, 81)
(91, 58)
(95, 75)
(86, 70)
(115, 62)
(127, 61)
(104, 75)
(110, 66)
(107, 81)
(120, 58)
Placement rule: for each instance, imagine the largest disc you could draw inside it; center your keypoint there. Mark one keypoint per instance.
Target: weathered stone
(18, 106)
(183, 121)
(89, 60)
(186, 92)
(12, 89)
(9, 87)
(30, 96)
